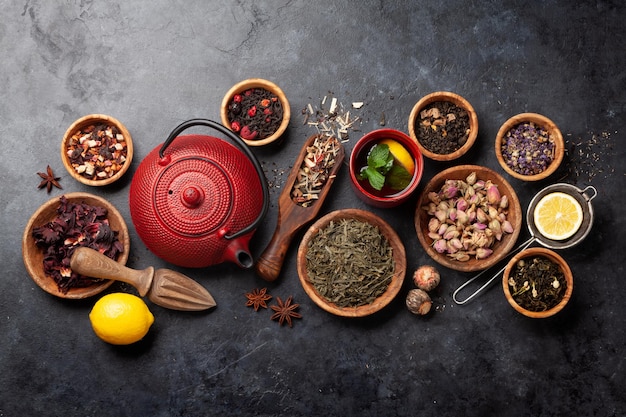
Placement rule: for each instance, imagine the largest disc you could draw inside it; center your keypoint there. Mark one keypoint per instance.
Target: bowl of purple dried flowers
(97, 150)
(529, 147)
(257, 110)
(61, 225)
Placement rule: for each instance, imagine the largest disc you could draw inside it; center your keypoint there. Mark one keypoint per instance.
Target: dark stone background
(153, 64)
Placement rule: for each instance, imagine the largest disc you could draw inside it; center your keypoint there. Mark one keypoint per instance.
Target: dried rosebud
(471, 178)
(461, 204)
(482, 253)
(426, 277)
(433, 224)
(440, 245)
(418, 302)
(504, 202)
(493, 194)
(507, 227)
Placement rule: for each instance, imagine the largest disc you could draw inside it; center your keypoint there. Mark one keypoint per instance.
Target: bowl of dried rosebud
(529, 147)
(468, 218)
(444, 125)
(97, 149)
(61, 225)
(257, 110)
(537, 282)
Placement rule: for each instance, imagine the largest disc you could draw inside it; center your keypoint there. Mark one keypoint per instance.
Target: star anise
(285, 311)
(49, 179)
(257, 298)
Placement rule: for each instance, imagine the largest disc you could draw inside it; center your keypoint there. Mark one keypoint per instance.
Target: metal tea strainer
(585, 203)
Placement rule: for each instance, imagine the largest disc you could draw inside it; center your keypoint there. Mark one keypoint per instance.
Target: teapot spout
(237, 252)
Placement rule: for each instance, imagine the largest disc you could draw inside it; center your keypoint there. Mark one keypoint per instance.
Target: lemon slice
(558, 216)
(401, 156)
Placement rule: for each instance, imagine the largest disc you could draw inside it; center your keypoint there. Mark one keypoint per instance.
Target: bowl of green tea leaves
(351, 263)
(537, 282)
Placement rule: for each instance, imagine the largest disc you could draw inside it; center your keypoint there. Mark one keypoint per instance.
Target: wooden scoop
(292, 216)
(167, 288)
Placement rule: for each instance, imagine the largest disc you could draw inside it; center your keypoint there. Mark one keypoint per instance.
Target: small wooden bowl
(500, 248)
(458, 101)
(399, 256)
(33, 255)
(266, 85)
(539, 120)
(554, 257)
(82, 123)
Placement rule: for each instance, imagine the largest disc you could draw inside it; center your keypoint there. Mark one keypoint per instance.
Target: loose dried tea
(350, 263)
(255, 113)
(537, 283)
(98, 151)
(76, 224)
(443, 127)
(315, 170)
(528, 149)
(333, 121)
(588, 157)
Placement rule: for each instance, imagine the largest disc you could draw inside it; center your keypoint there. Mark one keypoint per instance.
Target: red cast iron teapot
(198, 200)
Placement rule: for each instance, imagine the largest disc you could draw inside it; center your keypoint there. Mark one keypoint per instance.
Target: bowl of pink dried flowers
(468, 218)
(257, 110)
(58, 227)
(529, 147)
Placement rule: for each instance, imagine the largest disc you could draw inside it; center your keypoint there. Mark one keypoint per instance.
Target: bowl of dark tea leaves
(537, 282)
(351, 263)
(61, 225)
(444, 125)
(385, 167)
(257, 110)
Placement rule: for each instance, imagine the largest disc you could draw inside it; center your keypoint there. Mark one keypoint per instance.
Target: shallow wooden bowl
(537, 119)
(84, 122)
(554, 257)
(458, 101)
(264, 84)
(33, 255)
(399, 256)
(500, 248)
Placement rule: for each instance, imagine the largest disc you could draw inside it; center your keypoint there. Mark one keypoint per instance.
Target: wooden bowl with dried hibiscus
(537, 282)
(351, 263)
(529, 147)
(468, 218)
(97, 150)
(257, 110)
(444, 125)
(61, 225)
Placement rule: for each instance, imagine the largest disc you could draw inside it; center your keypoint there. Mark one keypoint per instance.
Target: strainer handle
(490, 281)
(590, 188)
(242, 145)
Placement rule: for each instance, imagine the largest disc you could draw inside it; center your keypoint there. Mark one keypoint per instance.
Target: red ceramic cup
(358, 159)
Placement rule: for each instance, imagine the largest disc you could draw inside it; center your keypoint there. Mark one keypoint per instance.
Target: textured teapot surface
(185, 202)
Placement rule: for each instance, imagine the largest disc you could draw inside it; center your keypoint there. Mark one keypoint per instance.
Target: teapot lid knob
(192, 196)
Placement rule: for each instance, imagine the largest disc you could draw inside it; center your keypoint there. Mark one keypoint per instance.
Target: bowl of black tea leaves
(537, 282)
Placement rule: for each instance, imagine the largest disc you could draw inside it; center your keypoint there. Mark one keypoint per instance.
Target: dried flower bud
(440, 245)
(493, 195)
(482, 253)
(461, 204)
(471, 178)
(418, 302)
(507, 227)
(426, 277)
(433, 224)
(504, 202)
(481, 216)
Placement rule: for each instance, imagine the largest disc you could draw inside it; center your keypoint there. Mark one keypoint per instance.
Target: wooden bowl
(33, 255)
(500, 248)
(266, 85)
(84, 122)
(539, 120)
(458, 101)
(399, 256)
(554, 257)
(356, 163)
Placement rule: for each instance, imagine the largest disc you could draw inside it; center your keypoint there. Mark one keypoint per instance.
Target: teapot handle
(242, 145)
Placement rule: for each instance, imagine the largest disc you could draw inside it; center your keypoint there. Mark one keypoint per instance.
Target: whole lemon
(120, 318)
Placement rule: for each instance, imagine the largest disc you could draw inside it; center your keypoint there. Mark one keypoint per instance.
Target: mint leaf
(398, 178)
(375, 178)
(380, 158)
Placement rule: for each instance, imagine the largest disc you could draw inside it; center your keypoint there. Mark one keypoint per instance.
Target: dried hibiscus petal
(76, 224)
